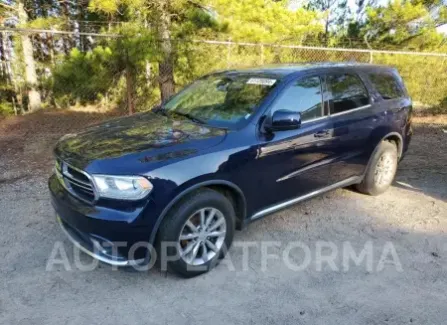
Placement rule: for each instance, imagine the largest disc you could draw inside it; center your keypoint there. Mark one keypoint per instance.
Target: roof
(287, 69)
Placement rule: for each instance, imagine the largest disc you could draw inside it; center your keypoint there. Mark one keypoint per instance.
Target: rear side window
(303, 96)
(387, 85)
(348, 92)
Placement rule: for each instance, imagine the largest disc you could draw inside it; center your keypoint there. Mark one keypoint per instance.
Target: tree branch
(439, 24)
(67, 1)
(4, 5)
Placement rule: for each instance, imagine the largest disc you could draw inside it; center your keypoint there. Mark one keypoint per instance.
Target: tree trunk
(81, 18)
(166, 66)
(67, 39)
(130, 86)
(326, 30)
(34, 98)
(2, 58)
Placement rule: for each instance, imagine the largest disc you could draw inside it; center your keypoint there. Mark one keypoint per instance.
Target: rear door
(350, 110)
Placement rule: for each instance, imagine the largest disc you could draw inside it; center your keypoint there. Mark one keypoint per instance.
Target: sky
(443, 29)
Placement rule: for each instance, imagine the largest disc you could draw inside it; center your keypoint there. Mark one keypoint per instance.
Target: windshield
(221, 100)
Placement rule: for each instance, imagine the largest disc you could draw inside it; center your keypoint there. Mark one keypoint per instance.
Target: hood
(146, 136)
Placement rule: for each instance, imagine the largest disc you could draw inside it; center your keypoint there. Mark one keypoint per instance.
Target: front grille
(75, 181)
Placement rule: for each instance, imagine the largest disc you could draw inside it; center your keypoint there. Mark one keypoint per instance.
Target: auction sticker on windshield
(261, 81)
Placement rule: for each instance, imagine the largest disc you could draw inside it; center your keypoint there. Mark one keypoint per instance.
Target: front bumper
(95, 249)
(114, 235)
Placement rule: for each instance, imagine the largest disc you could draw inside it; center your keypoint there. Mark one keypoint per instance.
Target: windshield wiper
(191, 117)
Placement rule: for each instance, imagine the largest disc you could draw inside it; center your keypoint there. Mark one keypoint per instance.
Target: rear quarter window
(387, 85)
(348, 93)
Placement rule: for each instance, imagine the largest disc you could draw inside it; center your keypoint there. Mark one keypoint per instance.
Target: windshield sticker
(261, 81)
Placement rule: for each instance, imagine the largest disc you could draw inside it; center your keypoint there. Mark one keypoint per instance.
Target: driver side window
(303, 96)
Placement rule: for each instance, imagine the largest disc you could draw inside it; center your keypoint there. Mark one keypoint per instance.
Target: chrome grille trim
(78, 183)
(74, 184)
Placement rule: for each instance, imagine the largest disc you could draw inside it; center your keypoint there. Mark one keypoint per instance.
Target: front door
(296, 162)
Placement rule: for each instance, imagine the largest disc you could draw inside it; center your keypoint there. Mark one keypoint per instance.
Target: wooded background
(127, 55)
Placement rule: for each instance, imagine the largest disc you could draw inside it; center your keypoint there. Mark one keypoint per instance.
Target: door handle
(322, 134)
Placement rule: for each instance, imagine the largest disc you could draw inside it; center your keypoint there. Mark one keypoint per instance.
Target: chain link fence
(100, 73)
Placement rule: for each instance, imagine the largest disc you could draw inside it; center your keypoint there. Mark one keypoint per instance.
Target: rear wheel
(197, 233)
(381, 170)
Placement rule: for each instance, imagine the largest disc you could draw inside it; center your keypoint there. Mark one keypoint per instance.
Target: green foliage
(424, 77)
(6, 109)
(267, 21)
(109, 7)
(402, 25)
(96, 75)
(441, 108)
(86, 76)
(397, 22)
(195, 20)
(58, 23)
(7, 94)
(135, 46)
(75, 70)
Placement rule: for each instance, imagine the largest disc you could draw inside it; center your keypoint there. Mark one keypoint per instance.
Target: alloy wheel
(385, 169)
(202, 236)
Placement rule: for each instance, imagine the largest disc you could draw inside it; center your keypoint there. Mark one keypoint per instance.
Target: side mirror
(284, 120)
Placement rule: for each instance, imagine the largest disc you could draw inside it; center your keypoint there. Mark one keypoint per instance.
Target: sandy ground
(411, 217)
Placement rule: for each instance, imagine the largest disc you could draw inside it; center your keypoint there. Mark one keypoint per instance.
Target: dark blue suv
(230, 148)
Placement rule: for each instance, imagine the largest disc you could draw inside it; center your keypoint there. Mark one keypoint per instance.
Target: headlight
(122, 187)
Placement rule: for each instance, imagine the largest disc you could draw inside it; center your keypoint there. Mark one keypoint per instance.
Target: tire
(381, 170)
(216, 209)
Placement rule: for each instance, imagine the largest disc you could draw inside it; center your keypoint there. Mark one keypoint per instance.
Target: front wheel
(381, 170)
(197, 233)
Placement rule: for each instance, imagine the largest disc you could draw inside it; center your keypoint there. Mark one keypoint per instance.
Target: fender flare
(189, 190)
(399, 145)
(400, 148)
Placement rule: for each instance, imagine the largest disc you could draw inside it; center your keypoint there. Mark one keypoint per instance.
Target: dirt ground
(411, 217)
